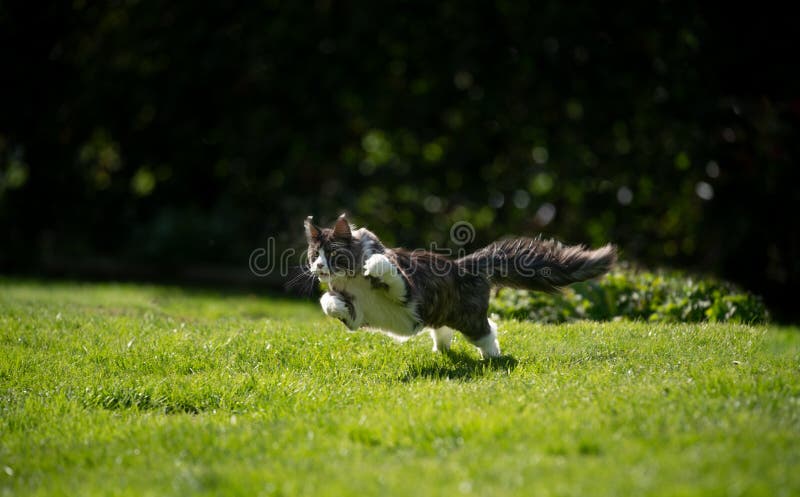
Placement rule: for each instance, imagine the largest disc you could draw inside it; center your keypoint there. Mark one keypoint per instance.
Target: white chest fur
(379, 310)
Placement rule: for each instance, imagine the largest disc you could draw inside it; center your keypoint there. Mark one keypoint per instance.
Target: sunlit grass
(147, 390)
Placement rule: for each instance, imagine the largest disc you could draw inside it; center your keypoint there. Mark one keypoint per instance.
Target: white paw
(442, 337)
(378, 266)
(334, 306)
(488, 346)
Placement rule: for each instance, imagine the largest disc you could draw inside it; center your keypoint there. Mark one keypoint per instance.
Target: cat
(400, 292)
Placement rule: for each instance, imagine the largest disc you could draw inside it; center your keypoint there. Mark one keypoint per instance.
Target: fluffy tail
(536, 264)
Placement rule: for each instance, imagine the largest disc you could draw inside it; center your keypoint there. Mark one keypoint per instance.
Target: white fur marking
(442, 337)
(334, 306)
(488, 345)
(379, 266)
(377, 309)
(320, 265)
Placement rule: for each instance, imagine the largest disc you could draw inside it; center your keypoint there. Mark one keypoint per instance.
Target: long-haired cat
(400, 292)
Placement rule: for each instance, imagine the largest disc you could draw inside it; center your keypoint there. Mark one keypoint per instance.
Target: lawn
(112, 389)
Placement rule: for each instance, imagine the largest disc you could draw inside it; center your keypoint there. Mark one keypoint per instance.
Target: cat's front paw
(335, 307)
(378, 266)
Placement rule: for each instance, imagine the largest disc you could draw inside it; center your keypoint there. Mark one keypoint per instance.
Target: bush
(638, 295)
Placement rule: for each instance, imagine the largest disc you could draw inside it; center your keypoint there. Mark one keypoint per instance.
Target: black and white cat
(400, 292)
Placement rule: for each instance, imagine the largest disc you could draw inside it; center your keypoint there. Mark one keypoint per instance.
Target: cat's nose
(320, 265)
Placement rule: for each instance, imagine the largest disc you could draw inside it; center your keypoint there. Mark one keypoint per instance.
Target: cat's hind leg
(484, 336)
(380, 267)
(442, 337)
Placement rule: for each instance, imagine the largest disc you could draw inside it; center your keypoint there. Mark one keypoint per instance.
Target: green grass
(145, 390)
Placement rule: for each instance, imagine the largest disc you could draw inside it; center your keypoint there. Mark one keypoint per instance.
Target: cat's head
(332, 252)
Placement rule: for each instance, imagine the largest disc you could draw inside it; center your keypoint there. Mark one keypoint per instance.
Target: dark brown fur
(447, 298)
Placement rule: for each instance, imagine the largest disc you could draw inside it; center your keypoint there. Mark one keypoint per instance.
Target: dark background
(170, 139)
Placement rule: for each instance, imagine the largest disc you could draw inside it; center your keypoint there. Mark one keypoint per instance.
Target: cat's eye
(333, 253)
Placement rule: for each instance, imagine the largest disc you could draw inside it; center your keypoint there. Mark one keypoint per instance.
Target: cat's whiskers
(304, 280)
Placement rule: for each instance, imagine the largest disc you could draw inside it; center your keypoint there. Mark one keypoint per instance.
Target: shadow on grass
(119, 399)
(458, 366)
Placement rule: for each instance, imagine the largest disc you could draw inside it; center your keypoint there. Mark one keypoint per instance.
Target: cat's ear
(342, 228)
(312, 232)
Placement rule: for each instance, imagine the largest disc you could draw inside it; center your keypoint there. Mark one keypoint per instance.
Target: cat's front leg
(338, 306)
(379, 266)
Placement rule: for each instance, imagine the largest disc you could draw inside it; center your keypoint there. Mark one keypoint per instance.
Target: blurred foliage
(187, 132)
(626, 294)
